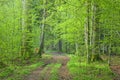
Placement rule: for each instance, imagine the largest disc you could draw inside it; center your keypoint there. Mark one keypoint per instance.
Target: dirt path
(115, 66)
(63, 72)
(116, 70)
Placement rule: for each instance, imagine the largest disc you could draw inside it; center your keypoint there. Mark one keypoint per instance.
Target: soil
(63, 70)
(116, 70)
(115, 67)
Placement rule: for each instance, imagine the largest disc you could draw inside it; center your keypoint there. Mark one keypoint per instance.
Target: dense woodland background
(86, 28)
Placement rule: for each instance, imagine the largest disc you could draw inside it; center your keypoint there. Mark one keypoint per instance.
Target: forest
(59, 40)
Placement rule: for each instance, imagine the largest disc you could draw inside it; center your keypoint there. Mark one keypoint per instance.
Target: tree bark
(87, 31)
(60, 45)
(41, 49)
(23, 50)
(96, 34)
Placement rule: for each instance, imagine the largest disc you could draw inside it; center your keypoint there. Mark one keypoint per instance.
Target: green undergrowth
(13, 73)
(80, 70)
(51, 71)
(17, 70)
(115, 60)
(54, 72)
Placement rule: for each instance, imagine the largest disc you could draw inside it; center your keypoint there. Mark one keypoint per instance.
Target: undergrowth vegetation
(18, 70)
(51, 71)
(78, 68)
(93, 71)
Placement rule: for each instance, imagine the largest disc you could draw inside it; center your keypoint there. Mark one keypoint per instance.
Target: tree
(41, 49)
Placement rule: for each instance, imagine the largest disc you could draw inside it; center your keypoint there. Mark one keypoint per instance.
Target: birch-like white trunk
(23, 26)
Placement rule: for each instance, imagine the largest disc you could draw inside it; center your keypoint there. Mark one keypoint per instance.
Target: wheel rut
(44, 72)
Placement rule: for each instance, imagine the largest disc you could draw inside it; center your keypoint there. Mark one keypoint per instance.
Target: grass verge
(17, 70)
(93, 71)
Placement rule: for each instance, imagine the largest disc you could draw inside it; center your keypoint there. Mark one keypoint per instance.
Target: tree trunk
(23, 50)
(60, 45)
(92, 32)
(76, 48)
(26, 50)
(87, 31)
(41, 49)
(66, 47)
(96, 44)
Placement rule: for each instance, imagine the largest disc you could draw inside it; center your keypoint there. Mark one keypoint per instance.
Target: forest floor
(115, 66)
(54, 68)
(59, 66)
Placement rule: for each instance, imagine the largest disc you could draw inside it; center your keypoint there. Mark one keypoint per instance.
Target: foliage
(82, 27)
(83, 71)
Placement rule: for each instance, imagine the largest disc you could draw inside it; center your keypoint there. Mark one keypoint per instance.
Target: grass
(77, 66)
(51, 71)
(16, 73)
(17, 70)
(54, 72)
(93, 71)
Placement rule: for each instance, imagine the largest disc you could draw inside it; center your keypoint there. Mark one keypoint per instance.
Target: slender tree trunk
(66, 47)
(76, 48)
(109, 52)
(60, 45)
(23, 50)
(29, 28)
(41, 49)
(96, 35)
(87, 31)
(26, 50)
